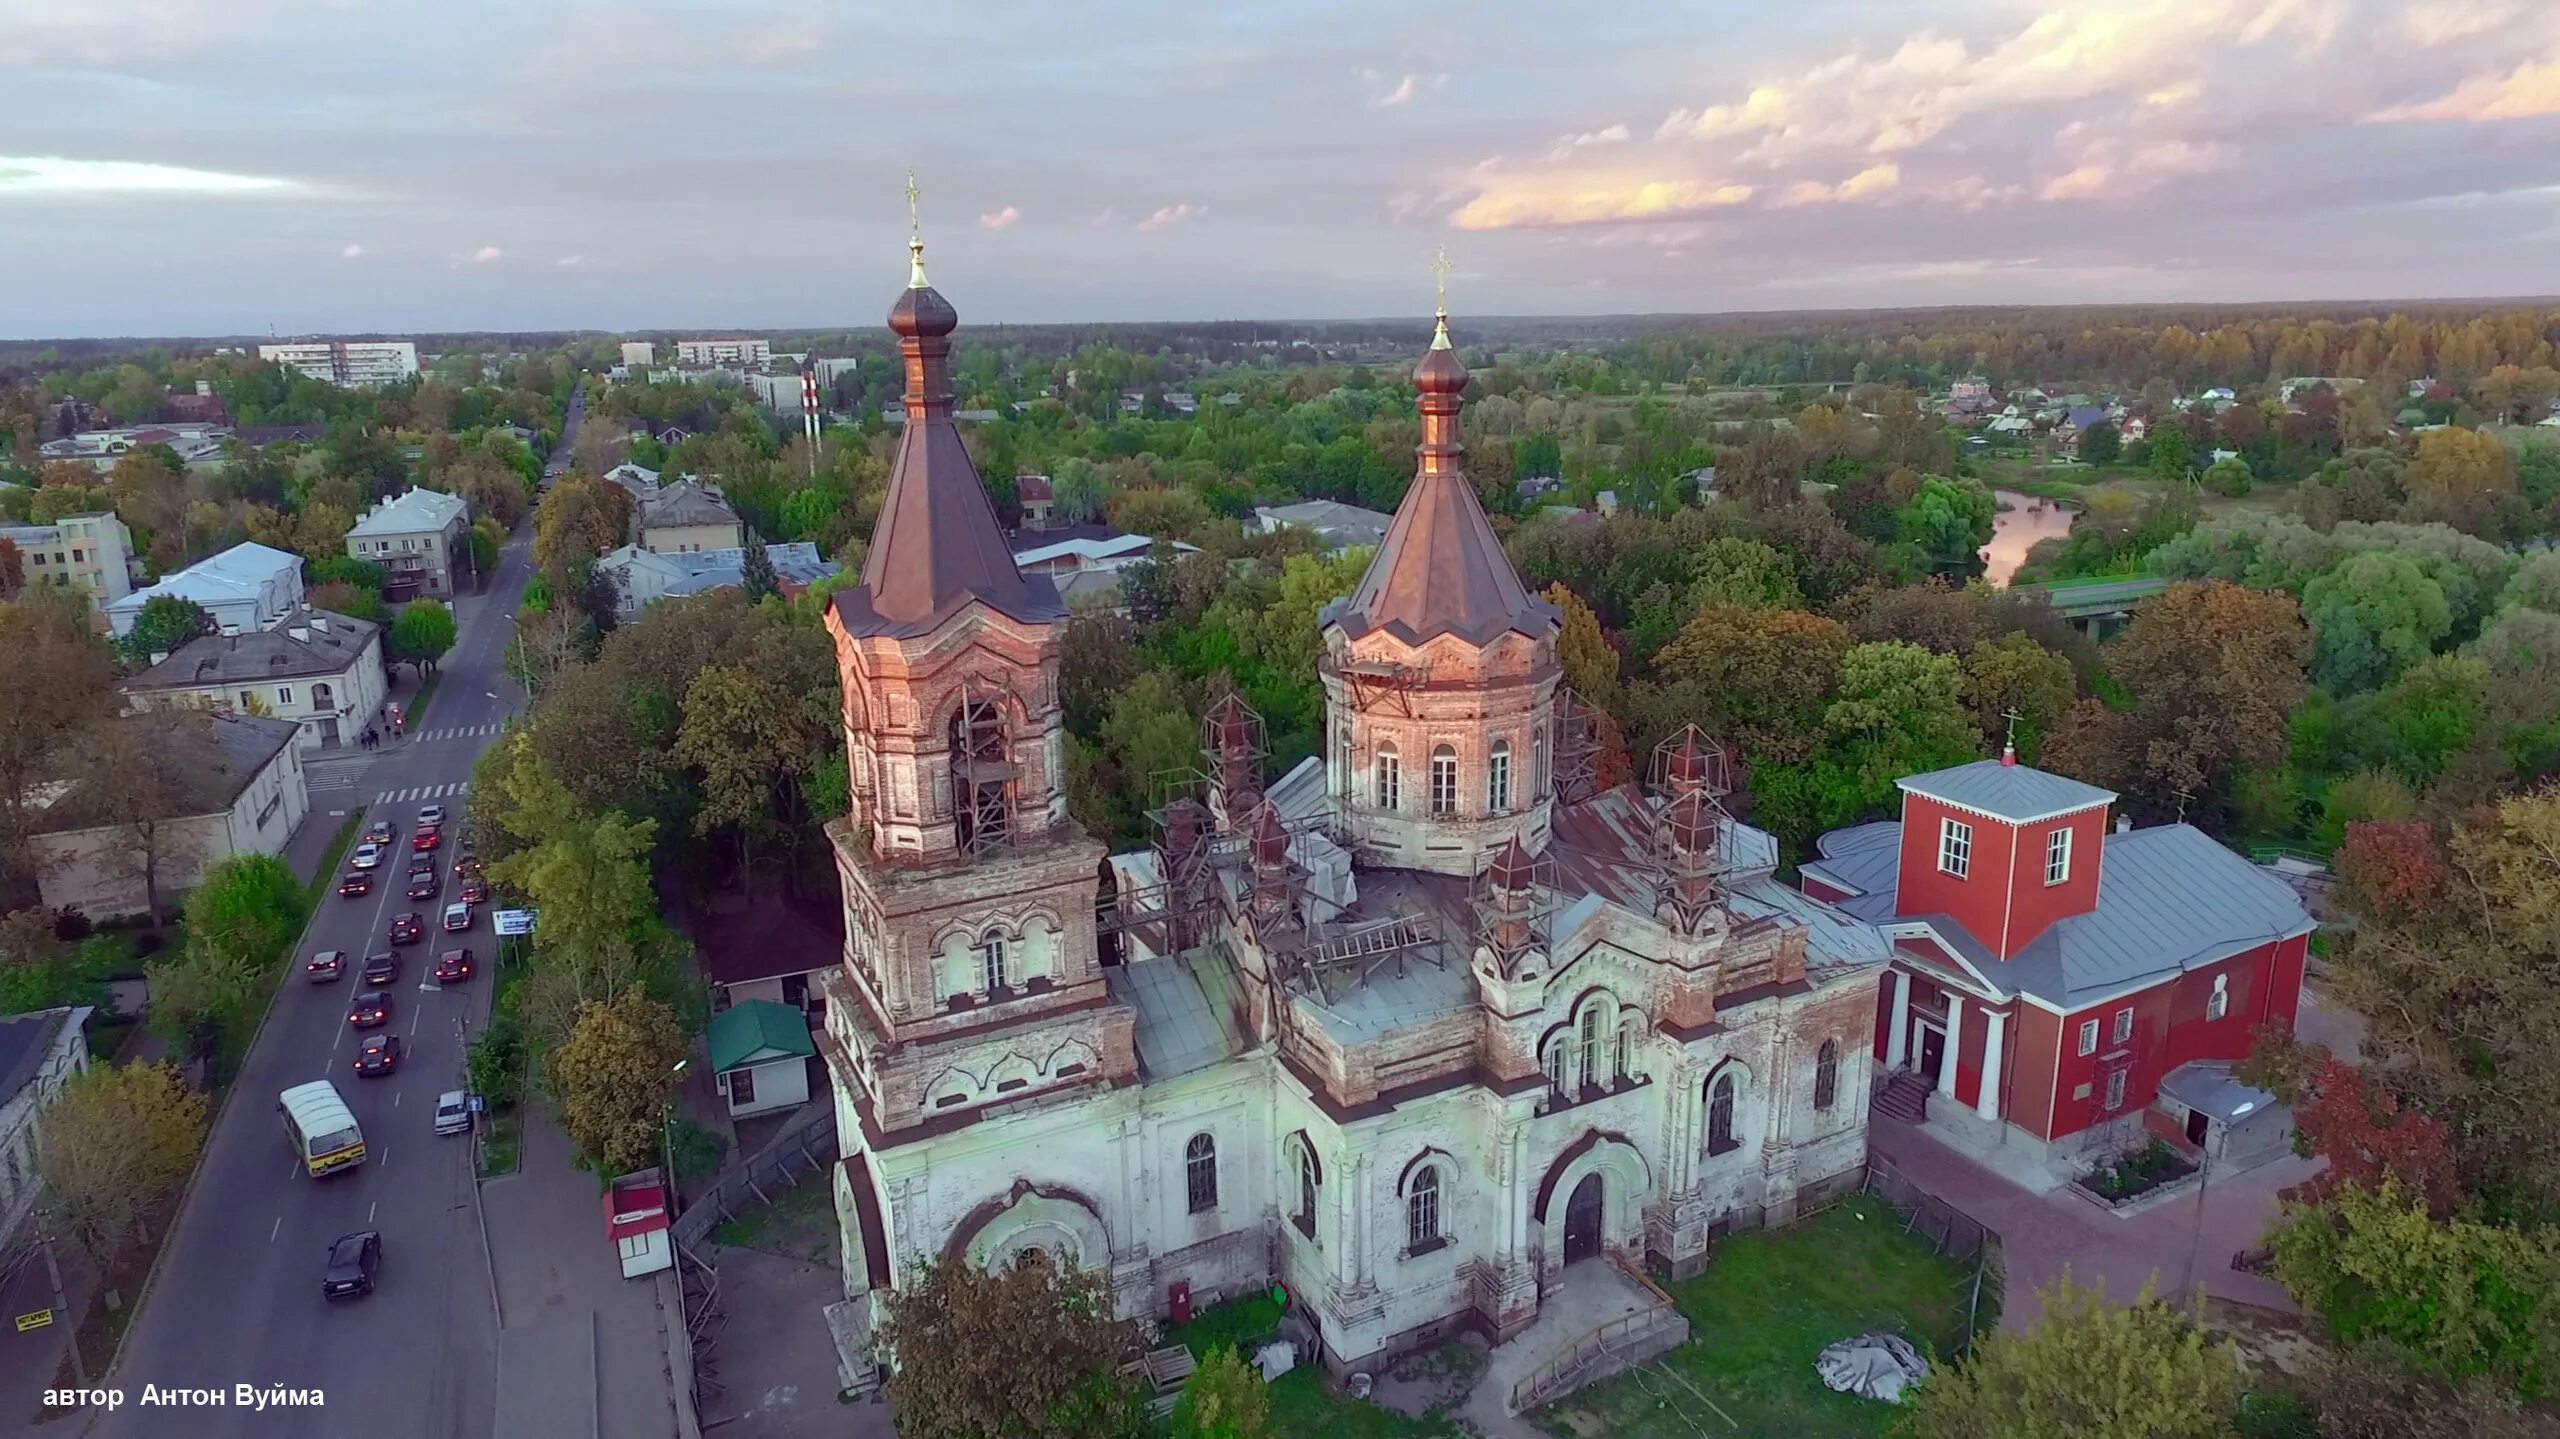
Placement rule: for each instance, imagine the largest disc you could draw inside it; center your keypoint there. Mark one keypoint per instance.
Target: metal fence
(807, 1144)
(1954, 1234)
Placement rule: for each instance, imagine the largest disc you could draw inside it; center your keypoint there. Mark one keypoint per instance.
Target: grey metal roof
(686, 502)
(1180, 1029)
(417, 512)
(24, 1041)
(2207, 1085)
(2012, 792)
(262, 656)
(1864, 859)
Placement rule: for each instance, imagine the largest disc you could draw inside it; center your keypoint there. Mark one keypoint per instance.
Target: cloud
(565, 262)
(2175, 96)
(487, 254)
(1406, 88)
(2085, 182)
(54, 175)
(2446, 22)
(2529, 91)
(1549, 201)
(1566, 144)
(352, 252)
(1170, 216)
(999, 219)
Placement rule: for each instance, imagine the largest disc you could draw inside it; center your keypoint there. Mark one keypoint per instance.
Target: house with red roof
(2060, 974)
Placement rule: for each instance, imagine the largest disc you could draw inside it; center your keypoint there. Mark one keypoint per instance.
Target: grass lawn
(502, 1142)
(799, 1224)
(1767, 1304)
(416, 709)
(1304, 1403)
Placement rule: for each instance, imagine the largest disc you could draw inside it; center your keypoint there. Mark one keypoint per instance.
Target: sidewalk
(581, 1350)
(2040, 1234)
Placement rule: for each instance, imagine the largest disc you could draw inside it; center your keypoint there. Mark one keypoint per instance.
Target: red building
(2058, 973)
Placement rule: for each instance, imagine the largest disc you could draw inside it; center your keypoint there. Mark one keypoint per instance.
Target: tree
(2371, 1139)
(2087, 1370)
(756, 578)
(615, 1079)
(2015, 675)
(2215, 672)
(1225, 1398)
(2373, 616)
(117, 1143)
(2469, 1297)
(1762, 676)
(1734, 571)
(2392, 868)
(45, 632)
(1948, 521)
(2171, 453)
(1076, 492)
(144, 777)
(1590, 664)
(751, 741)
(2378, 1390)
(1029, 1352)
(1537, 456)
(13, 569)
(2457, 467)
(422, 634)
(2228, 476)
(2102, 443)
(340, 598)
(166, 623)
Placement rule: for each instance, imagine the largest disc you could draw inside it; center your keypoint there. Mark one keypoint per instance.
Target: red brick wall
(2031, 1068)
(1980, 899)
(2033, 905)
(2170, 1029)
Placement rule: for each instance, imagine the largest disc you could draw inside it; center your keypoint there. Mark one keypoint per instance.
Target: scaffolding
(1349, 958)
(1515, 906)
(982, 770)
(1577, 748)
(1689, 761)
(1373, 683)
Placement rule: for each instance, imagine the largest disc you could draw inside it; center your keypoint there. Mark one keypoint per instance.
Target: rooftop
(240, 572)
(25, 1040)
(758, 1031)
(687, 502)
(247, 745)
(2016, 793)
(419, 511)
(322, 651)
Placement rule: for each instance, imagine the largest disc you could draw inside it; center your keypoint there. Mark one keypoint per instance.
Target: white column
(1988, 1106)
(1955, 1043)
(1897, 1039)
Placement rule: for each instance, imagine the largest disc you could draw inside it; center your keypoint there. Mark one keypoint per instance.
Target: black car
(424, 886)
(379, 1054)
(372, 1008)
(408, 928)
(475, 891)
(453, 966)
(381, 968)
(355, 886)
(353, 1261)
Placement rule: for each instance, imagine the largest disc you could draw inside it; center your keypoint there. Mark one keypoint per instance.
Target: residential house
(2075, 423)
(94, 552)
(250, 803)
(1034, 494)
(643, 577)
(1969, 394)
(2057, 976)
(38, 1052)
(197, 446)
(687, 517)
(638, 481)
(200, 406)
(1085, 562)
(1537, 487)
(319, 670)
(247, 587)
(1337, 525)
(417, 538)
(761, 1052)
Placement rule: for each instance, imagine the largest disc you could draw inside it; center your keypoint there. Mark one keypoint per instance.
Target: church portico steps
(1599, 1318)
(1903, 1096)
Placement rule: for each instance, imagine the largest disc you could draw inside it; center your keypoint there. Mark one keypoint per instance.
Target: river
(2022, 521)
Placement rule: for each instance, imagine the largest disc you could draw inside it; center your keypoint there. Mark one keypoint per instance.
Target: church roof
(2014, 792)
(938, 547)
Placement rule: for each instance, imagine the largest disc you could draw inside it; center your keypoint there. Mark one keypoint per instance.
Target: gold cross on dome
(1440, 272)
(915, 226)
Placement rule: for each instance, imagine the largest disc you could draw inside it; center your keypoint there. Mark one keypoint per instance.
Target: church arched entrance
(1582, 1215)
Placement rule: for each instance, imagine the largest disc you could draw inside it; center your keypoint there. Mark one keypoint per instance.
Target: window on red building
(2124, 1025)
(1955, 847)
(2115, 1089)
(2057, 856)
(2220, 1002)
(2088, 1036)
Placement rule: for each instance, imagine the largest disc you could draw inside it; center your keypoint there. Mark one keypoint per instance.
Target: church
(1407, 1029)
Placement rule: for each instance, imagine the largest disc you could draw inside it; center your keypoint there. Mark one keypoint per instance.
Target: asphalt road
(238, 1296)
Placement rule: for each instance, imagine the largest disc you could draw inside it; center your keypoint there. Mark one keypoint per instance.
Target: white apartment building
(94, 552)
(249, 586)
(347, 362)
(639, 352)
(741, 353)
(322, 672)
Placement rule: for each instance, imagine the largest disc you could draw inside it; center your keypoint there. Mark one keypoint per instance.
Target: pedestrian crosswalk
(421, 792)
(467, 731)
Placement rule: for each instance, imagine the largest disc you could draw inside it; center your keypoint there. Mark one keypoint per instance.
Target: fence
(1617, 1345)
(808, 1143)
(1954, 1234)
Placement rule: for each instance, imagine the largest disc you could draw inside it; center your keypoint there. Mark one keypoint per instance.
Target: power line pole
(61, 1306)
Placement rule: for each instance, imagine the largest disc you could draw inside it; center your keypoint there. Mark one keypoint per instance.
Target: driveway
(2162, 1244)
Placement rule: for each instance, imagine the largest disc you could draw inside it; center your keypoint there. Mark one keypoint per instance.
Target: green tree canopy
(2373, 616)
(1031, 1352)
(119, 1142)
(422, 633)
(166, 623)
(2087, 1370)
(615, 1078)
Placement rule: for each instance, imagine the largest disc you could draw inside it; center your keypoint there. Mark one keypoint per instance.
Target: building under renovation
(1409, 1029)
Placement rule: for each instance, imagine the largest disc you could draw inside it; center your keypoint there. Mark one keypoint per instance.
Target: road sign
(513, 921)
(37, 1320)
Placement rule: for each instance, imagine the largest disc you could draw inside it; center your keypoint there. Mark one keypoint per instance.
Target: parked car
(431, 814)
(475, 891)
(371, 1009)
(457, 917)
(367, 855)
(353, 1261)
(327, 965)
(427, 838)
(381, 968)
(408, 928)
(379, 1054)
(356, 885)
(453, 966)
(453, 1112)
(379, 832)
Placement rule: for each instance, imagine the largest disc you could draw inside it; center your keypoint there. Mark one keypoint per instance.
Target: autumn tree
(422, 633)
(750, 742)
(2371, 1139)
(13, 569)
(2013, 675)
(2215, 672)
(2458, 467)
(2086, 1370)
(2379, 1390)
(1030, 1351)
(1225, 1398)
(118, 1142)
(2469, 1297)
(2392, 868)
(1590, 664)
(45, 633)
(614, 1077)
(1759, 678)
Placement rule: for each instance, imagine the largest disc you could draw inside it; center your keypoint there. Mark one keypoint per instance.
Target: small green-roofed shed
(758, 1031)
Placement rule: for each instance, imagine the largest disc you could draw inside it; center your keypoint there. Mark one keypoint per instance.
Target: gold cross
(1440, 270)
(915, 226)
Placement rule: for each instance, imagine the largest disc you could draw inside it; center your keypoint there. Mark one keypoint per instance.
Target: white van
(322, 1128)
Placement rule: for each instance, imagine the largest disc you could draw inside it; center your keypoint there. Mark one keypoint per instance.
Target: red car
(355, 886)
(428, 838)
(371, 1009)
(379, 1054)
(475, 891)
(453, 966)
(408, 928)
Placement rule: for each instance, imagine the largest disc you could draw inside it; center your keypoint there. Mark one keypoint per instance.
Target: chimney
(2124, 824)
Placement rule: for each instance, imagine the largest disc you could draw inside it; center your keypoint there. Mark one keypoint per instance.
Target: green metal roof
(758, 1031)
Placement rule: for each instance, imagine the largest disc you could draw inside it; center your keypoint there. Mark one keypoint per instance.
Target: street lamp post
(669, 1123)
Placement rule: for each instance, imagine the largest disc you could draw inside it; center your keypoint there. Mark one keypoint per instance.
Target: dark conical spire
(937, 546)
(1440, 569)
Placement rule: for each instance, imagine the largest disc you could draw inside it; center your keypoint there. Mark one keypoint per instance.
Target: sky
(172, 167)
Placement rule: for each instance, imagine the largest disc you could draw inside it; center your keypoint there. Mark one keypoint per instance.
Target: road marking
(385, 1156)
(279, 1229)
(414, 1012)
(395, 1099)
(334, 1043)
(369, 1212)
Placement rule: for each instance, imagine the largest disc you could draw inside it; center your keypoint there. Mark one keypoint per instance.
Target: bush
(70, 925)
(495, 1069)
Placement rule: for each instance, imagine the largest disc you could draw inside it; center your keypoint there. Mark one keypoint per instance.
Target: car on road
(408, 928)
(475, 891)
(353, 1261)
(367, 855)
(432, 814)
(453, 966)
(457, 917)
(426, 839)
(327, 965)
(372, 1008)
(468, 866)
(453, 1112)
(381, 968)
(379, 1054)
(424, 885)
(356, 885)
(378, 832)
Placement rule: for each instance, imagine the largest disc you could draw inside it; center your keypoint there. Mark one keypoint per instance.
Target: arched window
(1200, 1170)
(1555, 1070)
(1826, 1074)
(1593, 1075)
(2219, 1003)
(1422, 1210)
(1720, 1138)
(1306, 1215)
(1444, 780)
(994, 953)
(1497, 778)
(1390, 778)
(1626, 1066)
